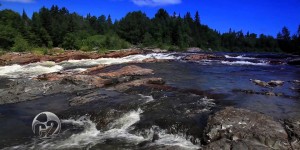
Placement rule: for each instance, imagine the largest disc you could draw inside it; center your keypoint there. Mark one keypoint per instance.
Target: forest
(57, 27)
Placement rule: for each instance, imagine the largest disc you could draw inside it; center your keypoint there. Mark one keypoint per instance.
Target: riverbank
(144, 100)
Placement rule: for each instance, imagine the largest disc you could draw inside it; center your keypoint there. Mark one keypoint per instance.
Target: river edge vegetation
(57, 27)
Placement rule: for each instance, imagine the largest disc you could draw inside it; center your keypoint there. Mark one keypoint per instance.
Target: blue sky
(258, 16)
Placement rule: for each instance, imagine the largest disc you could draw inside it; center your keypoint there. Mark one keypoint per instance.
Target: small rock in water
(297, 81)
(260, 83)
(274, 83)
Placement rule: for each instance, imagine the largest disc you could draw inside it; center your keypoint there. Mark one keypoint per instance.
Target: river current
(137, 117)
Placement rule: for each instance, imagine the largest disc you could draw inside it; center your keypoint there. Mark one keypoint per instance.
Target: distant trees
(57, 27)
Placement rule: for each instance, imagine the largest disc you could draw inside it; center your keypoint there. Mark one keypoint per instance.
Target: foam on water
(119, 129)
(35, 69)
(244, 63)
(239, 57)
(147, 98)
(16, 71)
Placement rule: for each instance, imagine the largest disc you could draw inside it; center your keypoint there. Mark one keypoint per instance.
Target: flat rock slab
(234, 128)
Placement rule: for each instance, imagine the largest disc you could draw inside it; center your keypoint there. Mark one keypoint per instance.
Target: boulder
(234, 128)
(293, 129)
(131, 70)
(146, 82)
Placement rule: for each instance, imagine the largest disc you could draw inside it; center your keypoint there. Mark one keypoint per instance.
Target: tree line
(57, 27)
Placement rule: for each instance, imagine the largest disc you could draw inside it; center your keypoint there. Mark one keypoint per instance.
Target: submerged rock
(234, 128)
(272, 83)
(83, 99)
(260, 83)
(197, 57)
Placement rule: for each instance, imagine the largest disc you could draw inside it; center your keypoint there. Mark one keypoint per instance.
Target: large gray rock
(293, 129)
(234, 128)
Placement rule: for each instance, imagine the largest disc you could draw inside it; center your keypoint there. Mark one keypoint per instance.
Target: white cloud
(155, 2)
(19, 1)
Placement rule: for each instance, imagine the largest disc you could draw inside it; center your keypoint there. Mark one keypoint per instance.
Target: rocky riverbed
(143, 100)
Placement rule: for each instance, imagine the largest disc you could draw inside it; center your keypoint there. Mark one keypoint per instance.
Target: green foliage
(133, 27)
(71, 42)
(103, 42)
(39, 50)
(20, 45)
(7, 36)
(57, 27)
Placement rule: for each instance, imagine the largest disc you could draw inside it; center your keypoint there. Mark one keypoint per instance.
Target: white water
(147, 99)
(239, 57)
(119, 130)
(35, 69)
(244, 63)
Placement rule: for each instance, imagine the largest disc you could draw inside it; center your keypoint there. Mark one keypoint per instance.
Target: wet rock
(260, 83)
(268, 93)
(197, 57)
(86, 79)
(154, 60)
(80, 100)
(296, 81)
(146, 81)
(94, 70)
(274, 83)
(21, 90)
(293, 129)
(294, 61)
(131, 70)
(53, 76)
(234, 128)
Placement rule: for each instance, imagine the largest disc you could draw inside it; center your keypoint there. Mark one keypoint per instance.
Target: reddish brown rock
(140, 82)
(53, 76)
(94, 70)
(197, 57)
(154, 60)
(131, 70)
(87, 79)
(26, 58)
(19, 58)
